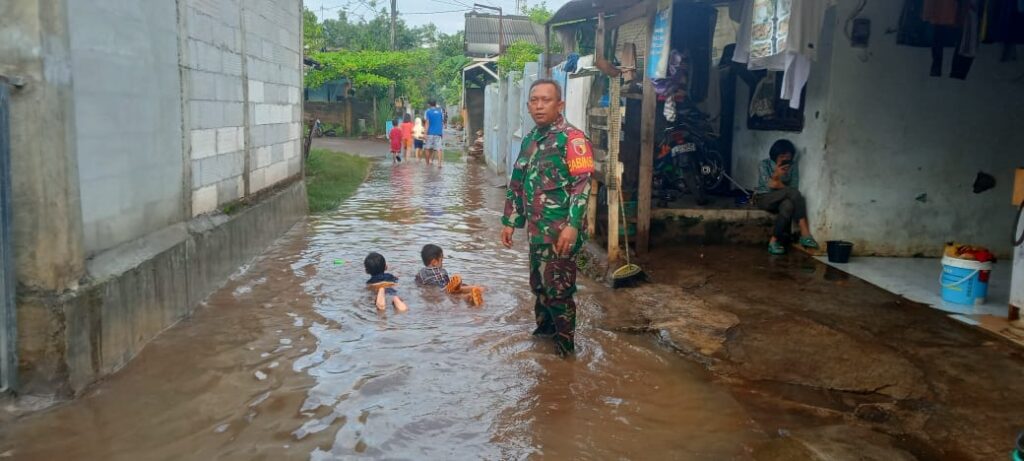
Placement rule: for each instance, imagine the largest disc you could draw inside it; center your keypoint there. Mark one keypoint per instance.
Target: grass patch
(452, 155)
(332, 177)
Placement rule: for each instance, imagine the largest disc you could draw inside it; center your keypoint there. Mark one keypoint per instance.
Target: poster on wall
(661, 38)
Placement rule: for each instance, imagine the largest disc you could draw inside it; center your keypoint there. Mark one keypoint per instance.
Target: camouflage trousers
(553, 280)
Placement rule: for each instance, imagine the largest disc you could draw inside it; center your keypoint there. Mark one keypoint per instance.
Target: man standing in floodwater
(548, 195)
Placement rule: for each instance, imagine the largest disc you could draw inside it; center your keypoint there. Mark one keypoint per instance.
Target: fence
(506, 120)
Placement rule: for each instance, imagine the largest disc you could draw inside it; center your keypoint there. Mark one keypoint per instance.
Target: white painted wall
(886, 133)
(127, 98)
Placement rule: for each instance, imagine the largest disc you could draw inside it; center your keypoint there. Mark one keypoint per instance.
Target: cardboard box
(1018, 187)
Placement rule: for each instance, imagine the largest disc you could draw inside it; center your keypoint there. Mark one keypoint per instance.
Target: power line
(439, 12)
(452, 3)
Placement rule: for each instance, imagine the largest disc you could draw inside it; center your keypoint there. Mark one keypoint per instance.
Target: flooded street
(290, 360)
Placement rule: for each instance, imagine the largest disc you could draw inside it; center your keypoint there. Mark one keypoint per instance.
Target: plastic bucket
(964, 281)
(838, 251)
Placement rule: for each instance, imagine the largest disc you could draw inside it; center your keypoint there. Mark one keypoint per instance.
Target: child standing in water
(395, 136)
(382, 283)
(434, 274)
(418, 133)
(407, 135)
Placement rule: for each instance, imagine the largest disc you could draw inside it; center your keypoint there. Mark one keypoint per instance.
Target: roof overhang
(577, 10)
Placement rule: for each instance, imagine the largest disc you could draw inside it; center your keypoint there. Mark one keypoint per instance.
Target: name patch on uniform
(578, 155)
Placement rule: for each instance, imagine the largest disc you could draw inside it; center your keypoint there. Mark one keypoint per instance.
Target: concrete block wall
(127, 104)
(216, 101)
(273, 56)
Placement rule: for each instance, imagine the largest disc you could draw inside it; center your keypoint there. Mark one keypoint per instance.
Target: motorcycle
(687, 160)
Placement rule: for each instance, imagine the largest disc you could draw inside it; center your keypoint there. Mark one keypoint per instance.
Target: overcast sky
(448, 15)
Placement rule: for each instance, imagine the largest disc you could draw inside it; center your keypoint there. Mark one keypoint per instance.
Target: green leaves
(517, 55)
(374, 69)
(539, 13)
(312, 32)
(428, 64)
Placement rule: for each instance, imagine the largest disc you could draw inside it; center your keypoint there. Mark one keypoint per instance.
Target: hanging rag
(571, 62)
(670, 110)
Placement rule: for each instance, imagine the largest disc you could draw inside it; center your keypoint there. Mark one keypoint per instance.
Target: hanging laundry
(1003, 22)
(968, 46)
(925, 23)
(782, 35)
(940, 12)
(915, 31)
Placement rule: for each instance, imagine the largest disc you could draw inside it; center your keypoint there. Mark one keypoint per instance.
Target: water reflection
(292, 361)
(448, 381)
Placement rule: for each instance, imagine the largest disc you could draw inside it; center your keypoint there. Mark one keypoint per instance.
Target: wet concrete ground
(731, 354)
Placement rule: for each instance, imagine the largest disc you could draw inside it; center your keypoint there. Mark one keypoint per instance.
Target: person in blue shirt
(777, 192)
(435, 131)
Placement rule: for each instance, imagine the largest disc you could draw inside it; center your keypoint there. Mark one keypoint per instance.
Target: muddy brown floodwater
(290, 360)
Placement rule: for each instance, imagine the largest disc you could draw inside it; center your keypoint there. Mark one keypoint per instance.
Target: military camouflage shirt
(550, 183)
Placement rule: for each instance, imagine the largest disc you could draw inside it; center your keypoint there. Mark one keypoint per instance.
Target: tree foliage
(517, 55)
(538, 13)
(312, 32)
(427, 64)
(358, 34)
(375, 69)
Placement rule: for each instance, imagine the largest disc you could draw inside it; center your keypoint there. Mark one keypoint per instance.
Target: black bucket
(839, 251)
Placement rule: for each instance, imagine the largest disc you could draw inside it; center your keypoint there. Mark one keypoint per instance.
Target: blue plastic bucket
(964, 281)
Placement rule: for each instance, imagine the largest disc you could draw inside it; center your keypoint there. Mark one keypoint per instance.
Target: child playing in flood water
(395, 136)
(434, 274)
(382, 283)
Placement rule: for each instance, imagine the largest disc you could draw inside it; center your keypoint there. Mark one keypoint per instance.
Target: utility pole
(501, 25)
(394, 47)
(521, 6)
(394, 20)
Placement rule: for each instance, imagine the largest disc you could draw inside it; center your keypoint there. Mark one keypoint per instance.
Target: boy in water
(395, 136)
(382, 282)
(434, 274)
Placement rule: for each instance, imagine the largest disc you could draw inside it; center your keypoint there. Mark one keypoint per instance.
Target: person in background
(418, 136)
(395, 136)
(435, 133)
(407, 135)
(777, 192)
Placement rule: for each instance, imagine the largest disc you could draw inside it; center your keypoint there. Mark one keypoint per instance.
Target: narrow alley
(290, 360)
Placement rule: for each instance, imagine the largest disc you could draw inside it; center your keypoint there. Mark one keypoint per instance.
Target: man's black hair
(395, 123)
(547, 81)
(432, 103)
(375, 264)
(780, 147)
(407, 118)
(430, 252)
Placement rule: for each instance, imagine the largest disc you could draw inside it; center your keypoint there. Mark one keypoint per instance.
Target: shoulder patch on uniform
(578, 154)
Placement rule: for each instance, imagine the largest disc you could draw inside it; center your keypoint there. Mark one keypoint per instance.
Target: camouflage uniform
(548, 191)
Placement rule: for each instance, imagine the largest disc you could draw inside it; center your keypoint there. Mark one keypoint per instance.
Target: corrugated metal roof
(587, 9)
(482, 32)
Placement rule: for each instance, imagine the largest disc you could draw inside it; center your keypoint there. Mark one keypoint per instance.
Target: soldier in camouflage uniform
(548, 195)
